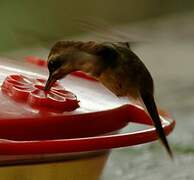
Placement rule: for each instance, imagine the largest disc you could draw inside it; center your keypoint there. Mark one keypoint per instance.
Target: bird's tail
(149, 102)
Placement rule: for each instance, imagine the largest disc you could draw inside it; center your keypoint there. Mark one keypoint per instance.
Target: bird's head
(66, 57)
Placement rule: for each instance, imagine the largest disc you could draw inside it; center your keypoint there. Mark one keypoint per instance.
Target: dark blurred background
(22, 20)
(162, 33)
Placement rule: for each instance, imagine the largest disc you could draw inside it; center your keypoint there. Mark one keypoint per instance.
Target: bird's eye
(51, 64)
(54, 64)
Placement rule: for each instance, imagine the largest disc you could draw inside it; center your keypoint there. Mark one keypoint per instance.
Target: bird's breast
(118, 83)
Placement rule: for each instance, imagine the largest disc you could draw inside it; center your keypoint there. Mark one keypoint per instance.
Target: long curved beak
(51, 80)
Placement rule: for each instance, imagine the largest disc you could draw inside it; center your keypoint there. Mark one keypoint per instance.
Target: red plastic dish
(31, 92)
(10, 147)
(25, 130)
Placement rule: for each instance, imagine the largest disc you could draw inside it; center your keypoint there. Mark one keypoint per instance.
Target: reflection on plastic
(31, 91)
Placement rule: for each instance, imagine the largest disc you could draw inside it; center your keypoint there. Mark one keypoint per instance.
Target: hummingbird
(114, 65)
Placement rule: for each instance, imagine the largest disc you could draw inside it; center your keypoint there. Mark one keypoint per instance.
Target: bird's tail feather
(149, 102)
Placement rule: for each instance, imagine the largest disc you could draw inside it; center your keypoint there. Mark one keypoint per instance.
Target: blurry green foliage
(55, 19)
